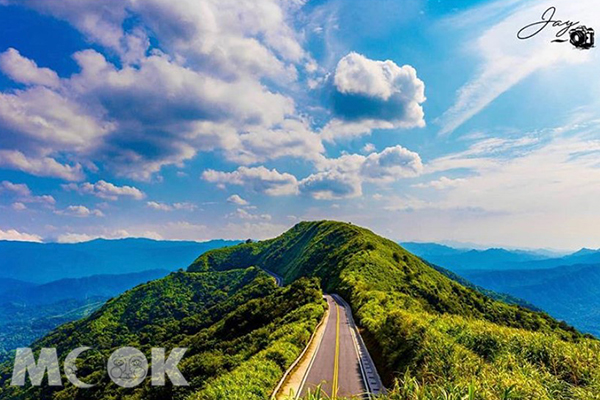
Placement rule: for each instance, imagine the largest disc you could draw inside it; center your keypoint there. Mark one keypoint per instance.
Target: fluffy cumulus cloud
(23, 70)
(370, 94)
(22, 193)
(216, 84)
(105, 190)
(39, 165)
(332, 184)
(237, 200)
(343, 177)
(18, 206)
(336, 178)
(14, 235)
(80, 212)
(258, 179)
(391, 164)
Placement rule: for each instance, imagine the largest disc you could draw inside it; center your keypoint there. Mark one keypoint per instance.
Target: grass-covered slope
(242, 332)
(430, 332)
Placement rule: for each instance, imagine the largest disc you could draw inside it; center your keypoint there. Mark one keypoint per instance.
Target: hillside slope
(28, 311)
(242, 332)
(354, 261)
(571, 293)
(419, 322)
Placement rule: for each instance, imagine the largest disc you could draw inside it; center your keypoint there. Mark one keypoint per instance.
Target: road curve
(335, 365)
(278, 278)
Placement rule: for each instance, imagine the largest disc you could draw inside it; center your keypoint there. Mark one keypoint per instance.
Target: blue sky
(423, 120)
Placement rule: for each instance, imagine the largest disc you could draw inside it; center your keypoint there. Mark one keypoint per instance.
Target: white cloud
(227, 36)
(536, 191)
(118, 234)
(336, 178)
(504, 63)
(257, 179)
(20, 189)
(18, 206)
(14, 235)
(244, 214)
(441, 184)
(236, 199)
(79, 211)
(368, 148)
(24, 195)
(356, 74)
(105, 190)
(391, 164)
(43, 166)
(291, 138)
(75, 238)
(204, 90)
(26, 71)
(159, 206)
(370, 94)
(407, 203)
(332, 184)
(49, 119)
(253, 230)
(343, 177)
(171, 207)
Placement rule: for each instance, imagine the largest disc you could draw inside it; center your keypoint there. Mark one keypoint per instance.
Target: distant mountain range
(43, 286)
(567, 287)
(29, 311)
(105, 286)
(462, 259)
(46, 262)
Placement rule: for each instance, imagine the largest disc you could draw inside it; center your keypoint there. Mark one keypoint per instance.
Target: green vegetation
(21, 324)
(242, 332)
(431, 336)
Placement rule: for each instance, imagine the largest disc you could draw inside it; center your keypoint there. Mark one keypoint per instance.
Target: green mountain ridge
(431, 337)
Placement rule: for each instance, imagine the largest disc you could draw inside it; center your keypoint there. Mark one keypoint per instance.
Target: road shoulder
(291, 385)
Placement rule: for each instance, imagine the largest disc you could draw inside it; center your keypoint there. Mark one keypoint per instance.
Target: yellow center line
(336, 363)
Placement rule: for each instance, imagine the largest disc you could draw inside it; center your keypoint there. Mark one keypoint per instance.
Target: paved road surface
(278, 278)
(336, 365)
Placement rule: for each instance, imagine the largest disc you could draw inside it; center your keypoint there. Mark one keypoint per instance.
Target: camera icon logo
(582, 37)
